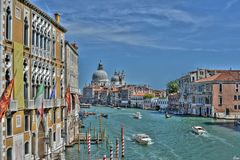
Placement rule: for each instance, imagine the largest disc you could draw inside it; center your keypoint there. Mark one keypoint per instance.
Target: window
(26, 148)
(62, 114)
(9, 154)
(9, 126)
(193, 79)
(54, 136)
(53, 48)
(26, 123)
(220, 87)
(235, 97)
(238, 97)
(8, 23)
(26, 26)
(236, 89)
(37, 39)
(220, 100)
(235, 107)
(54, 116)
(61, 52)
(33, 36)
(238, 106)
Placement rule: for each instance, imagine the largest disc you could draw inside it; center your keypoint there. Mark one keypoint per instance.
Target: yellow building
(32, 48)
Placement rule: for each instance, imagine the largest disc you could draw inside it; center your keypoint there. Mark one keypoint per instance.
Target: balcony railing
(29, 104)
(47, 103)
(62, 102)
(201, 105)
(58, 102)
(13, 105)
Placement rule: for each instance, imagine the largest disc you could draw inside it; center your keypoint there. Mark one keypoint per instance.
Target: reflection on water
(173, 138)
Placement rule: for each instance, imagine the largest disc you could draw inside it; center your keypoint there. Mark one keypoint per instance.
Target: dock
(83, 140)
(84, 105)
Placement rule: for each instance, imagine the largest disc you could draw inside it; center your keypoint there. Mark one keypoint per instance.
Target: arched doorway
(41, 144)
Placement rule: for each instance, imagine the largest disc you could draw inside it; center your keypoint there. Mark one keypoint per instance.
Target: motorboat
(137, 115)
(142, 139)
(167, 115)
(104, 115)
(198, 130)
(118, 107)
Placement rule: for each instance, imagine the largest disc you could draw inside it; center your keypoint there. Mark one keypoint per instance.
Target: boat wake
(236, 158)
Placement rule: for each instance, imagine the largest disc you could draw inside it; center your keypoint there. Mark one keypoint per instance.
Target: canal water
(172, 138)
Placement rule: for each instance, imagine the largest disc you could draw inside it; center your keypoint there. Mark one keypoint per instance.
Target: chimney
(74, 45)
(57, 17)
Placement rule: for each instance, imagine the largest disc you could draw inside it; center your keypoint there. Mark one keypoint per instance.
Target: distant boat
(137, 115)
(167, 115)
(105, 115)
(118, 107)
(142, 139)
(198, 130)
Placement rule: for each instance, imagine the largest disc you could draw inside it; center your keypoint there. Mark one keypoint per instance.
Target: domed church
(100, 77)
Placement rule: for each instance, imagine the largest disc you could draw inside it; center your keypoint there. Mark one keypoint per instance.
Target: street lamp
(46, 138)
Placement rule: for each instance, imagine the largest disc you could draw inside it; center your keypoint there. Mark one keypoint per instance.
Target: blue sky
(154, 41)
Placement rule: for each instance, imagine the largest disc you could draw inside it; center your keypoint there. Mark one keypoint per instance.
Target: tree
(172, 87)
(148, 96)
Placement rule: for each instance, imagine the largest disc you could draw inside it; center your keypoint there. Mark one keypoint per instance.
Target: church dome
(115, 77)
(100, 75)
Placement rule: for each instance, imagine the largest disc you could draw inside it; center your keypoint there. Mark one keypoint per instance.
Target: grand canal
(172, 138)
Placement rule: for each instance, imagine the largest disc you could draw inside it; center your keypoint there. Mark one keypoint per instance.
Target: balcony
(47, 103)
(58, 102)
(201, 105)
(13, 105)
(63, 102)
(29, 104)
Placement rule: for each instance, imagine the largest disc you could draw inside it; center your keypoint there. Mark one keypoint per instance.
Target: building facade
(185, 86)
(217, 96)
(32, 49)
(71, 80)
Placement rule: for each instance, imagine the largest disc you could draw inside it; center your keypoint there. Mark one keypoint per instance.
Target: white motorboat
(142, 139)
(118, 107)
(198, 130)
(137, 115)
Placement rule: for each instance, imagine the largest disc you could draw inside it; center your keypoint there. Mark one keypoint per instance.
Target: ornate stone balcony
(47, 103)
(13, 105)
(29, 104)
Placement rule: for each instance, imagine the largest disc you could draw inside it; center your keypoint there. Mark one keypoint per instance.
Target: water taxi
(198, 130)
(137, 115)
(142, 139)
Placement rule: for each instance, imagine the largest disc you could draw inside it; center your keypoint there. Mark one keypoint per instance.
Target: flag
(68, 98)
(41, 110)
(39, 99)
(52, 96)
(5, 99)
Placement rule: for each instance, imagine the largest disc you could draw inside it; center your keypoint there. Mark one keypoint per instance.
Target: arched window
(9, 154)
(26, 27)
(33, 35)
(25, 78)
(26, 148)
(8, 23)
